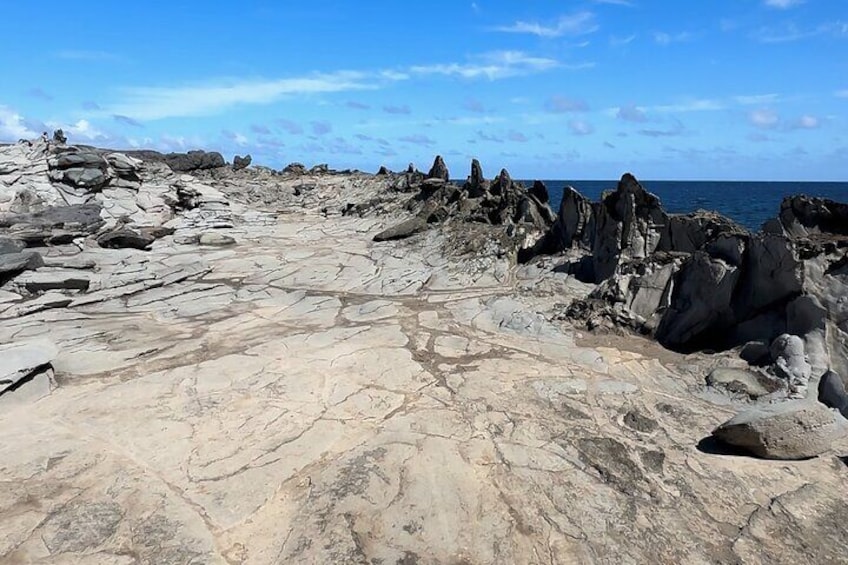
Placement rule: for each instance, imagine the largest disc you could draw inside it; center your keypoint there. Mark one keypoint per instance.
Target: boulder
(20, 361)
(125, 167)
(384, 171)
(13, 263)
(756, 353)
(402, 230)
(240, 163)
(194, 161)
(122, 238)
(797, 429)
(60, 137)
(439, 170)
(320, 169)
(832, 393)
(295, 169)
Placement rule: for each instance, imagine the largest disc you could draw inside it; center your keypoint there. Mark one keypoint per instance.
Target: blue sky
(707, 89)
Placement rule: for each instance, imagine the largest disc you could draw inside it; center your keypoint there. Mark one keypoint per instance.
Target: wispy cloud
(663, 38)
(126, 120)
(517, 136)
(792, 32)
(474, 105)
(764, 118)
(290, 127)
(616, 41)
(156, 103)
(580, 127)
(418, 139)
(403, 110)
(696, 105)
(756, 99)
(260, 129)
(632, 113)
(39, 93)
(579, 23)
(677, 129)
(841, 93)
(782, 4)
(806, 122)
(615, 2)
(86, 55)
(562, 105)
(495, 65)
(321, 127)
(354, 105)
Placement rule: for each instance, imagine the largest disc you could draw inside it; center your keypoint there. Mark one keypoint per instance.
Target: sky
(694, 89)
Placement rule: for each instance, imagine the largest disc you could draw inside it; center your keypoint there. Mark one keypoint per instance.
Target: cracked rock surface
(303, 394)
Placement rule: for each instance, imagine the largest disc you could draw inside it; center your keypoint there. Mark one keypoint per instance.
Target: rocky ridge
(226, 367)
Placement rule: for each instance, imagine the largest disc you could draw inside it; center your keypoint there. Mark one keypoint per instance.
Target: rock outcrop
(519, 215)
(699, 281)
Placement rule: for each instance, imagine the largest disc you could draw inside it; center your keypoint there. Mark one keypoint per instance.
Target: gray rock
(700, 303)
(439, 170)
(384, 171)
(194, 161)
(60, 137)
(756, 353)
(215, 239)
(791, 364)
(540, 192)
(125, 238)
(832, 393)
(295, 169)
(797, 429)
(739, 381)
(576, 222)
(402, 230)
(8, 245)
(802, 215)
(14, 263)
(240, 163)
(18, 361)
(476, 185)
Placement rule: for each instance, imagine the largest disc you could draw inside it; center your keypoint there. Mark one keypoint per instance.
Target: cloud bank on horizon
(728, 89)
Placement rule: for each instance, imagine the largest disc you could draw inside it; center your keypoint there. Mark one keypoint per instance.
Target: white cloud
(496, 65)
(756, 99)
(764, 119)
(791, 32)
(782, 4)
(697, 105)
(841, 93)
(12, 126)
(83, 55)
(806, 122)
(81, 129)
(662, 38)
(616, 41)
(156, 103)
(579, 23)
(580, 127)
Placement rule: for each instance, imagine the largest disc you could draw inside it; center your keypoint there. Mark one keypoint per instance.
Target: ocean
(748, 203)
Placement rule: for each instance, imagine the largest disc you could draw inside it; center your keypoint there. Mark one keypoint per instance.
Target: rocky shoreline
(211, 362)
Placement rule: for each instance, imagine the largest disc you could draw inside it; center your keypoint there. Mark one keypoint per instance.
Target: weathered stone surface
(575, 222)
(194, 161)
(402, 230)
(216, 239)
(740, 381)
(791, 363)
(309, 396)
(796, 429)
(19, 361)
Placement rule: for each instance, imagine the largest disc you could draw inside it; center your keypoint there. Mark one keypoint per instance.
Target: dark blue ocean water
(748, 203)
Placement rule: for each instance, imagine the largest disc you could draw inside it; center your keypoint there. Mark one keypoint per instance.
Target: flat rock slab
(20, 360)
(797, 429)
